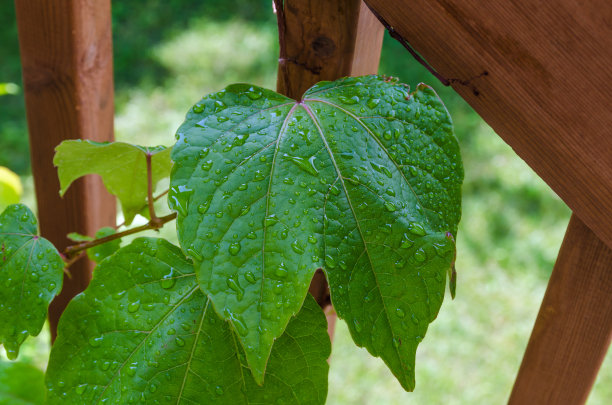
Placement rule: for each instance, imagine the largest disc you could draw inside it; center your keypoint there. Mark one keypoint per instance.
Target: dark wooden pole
(572, 333)
(66, 55)
(325, 40)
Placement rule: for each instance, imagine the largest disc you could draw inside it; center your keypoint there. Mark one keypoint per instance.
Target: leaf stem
(161, 195)
(157, 197)
(72, 251)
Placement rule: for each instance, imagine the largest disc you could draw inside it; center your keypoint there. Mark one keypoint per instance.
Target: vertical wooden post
(574, 326)
(66, 55)
(325, 40)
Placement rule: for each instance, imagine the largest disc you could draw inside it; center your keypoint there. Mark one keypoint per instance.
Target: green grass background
(170, 53)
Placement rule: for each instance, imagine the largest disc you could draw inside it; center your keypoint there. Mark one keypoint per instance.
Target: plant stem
(72, 251)
(157, 197)
(161, 195)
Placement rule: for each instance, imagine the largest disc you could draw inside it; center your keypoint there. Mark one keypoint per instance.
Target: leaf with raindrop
(122, 166)
(31, 273)
(361, 178)
(143, 331)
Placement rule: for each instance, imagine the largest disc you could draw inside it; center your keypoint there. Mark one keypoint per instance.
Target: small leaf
(77, 237)
(144, 331)
(31, 273)
(10, 188)
(361, 178)
(101, 252)
(122, 167)
(21, 384)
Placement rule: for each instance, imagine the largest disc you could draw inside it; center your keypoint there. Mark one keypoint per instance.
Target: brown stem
(445, 81)
(395, 35)
(71, 251)
(283, 74)
(161, 195)
(157, 197)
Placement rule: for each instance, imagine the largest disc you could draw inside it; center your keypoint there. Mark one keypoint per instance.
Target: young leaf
(21, 384)
(101, 252)
(31, 273)
(77, 237)
(144, 332)
(122, 167)
(360, 178)
(10, 188)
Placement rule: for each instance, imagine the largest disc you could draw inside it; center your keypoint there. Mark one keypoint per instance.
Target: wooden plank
(66, 55)
(547, 88)
(572, 333)
(325, 40)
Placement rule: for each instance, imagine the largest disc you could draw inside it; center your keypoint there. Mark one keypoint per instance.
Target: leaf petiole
(74, 250)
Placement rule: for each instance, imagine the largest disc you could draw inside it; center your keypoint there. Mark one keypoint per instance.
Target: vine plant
(361, 178)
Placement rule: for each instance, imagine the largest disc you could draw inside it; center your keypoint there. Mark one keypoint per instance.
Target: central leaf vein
(348, 199)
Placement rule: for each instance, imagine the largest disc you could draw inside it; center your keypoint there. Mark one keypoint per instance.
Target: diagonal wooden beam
(572, 333)
(539, 73)
(66, 57)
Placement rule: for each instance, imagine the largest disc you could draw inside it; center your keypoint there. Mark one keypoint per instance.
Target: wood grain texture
(547, 91)
(573, 329)
(326, 40)
(66, 55)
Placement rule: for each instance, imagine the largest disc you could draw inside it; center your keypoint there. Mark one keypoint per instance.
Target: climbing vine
(360, 178)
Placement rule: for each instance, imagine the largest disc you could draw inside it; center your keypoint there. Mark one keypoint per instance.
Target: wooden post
(325, 40)
(572, 333)
(66, 55)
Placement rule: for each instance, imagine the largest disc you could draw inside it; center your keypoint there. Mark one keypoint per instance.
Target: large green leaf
(144, 331)
(122, 166)
(21, 384)
(360, 178)
(31, 273)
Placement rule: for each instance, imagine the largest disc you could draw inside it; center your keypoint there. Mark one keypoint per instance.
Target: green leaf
(101, 252)
(360, 178)
(10, 187)
(31, 273)
(144, 331)
(21, 384)
(122, 167)
(77, 237)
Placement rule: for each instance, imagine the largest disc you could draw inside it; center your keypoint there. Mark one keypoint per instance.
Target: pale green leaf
(101, 252)
(122, 167)
(361, 178)
(144, 332)
(10, 187)
(21, 384)
(31, 273)
(77, 237)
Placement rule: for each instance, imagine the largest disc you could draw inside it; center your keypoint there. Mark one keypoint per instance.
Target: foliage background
(168, 53)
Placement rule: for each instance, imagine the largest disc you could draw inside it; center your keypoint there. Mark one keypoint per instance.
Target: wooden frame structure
(538, 73)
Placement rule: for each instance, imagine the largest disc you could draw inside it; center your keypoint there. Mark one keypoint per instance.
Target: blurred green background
(168, 53)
